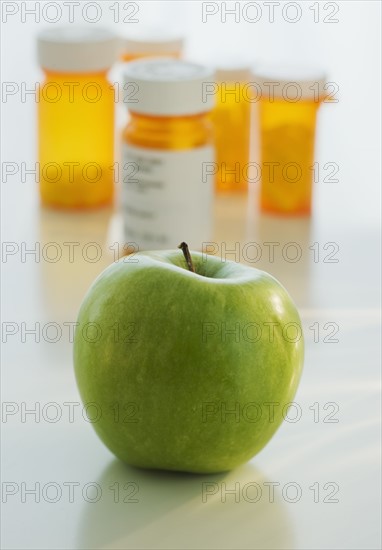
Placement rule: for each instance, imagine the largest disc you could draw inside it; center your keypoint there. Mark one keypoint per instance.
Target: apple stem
(186, 253)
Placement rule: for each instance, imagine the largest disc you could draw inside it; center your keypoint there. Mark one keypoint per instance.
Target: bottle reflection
(75, 248)
(147, 509)
(282, 246)
(285, 251)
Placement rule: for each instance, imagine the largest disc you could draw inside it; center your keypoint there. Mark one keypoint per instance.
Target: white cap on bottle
(290, 81)
(231, 67)
(168, 87)
(153, 42)
(77, 49)
(233, 72)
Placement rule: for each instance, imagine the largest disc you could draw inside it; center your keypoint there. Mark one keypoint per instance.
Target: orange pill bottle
(76, 117)
(167, 154)
(289, 99)
(231, 117)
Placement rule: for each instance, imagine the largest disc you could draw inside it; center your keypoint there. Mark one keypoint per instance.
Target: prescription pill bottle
(76, 116)
(152, 43)
(289, 98)
(231, 117)
(167, 154)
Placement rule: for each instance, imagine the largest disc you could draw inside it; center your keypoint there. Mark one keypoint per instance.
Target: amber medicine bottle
(231, 117)
(289, 98)
(167, 154)
(76, 117)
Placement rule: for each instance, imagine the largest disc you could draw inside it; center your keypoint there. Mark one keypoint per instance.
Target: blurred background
(334, 282)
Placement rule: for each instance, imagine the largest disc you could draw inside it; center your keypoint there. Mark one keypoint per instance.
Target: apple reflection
(174, 510)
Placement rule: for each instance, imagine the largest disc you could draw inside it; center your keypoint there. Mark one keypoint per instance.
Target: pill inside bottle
(288, 102)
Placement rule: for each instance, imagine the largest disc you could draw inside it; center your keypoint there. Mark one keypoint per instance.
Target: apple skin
(163, 373)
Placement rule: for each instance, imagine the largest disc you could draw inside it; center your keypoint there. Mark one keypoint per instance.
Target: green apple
(187, 370)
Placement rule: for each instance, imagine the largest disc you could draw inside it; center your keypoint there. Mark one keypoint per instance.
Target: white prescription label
(167, 196)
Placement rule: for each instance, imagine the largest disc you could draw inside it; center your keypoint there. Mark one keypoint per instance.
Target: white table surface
(340, 377)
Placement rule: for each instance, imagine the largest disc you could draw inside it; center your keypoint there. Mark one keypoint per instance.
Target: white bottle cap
(233, 72)
(290, 81)
(77, 49)
(168, 87)
(153, 42)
